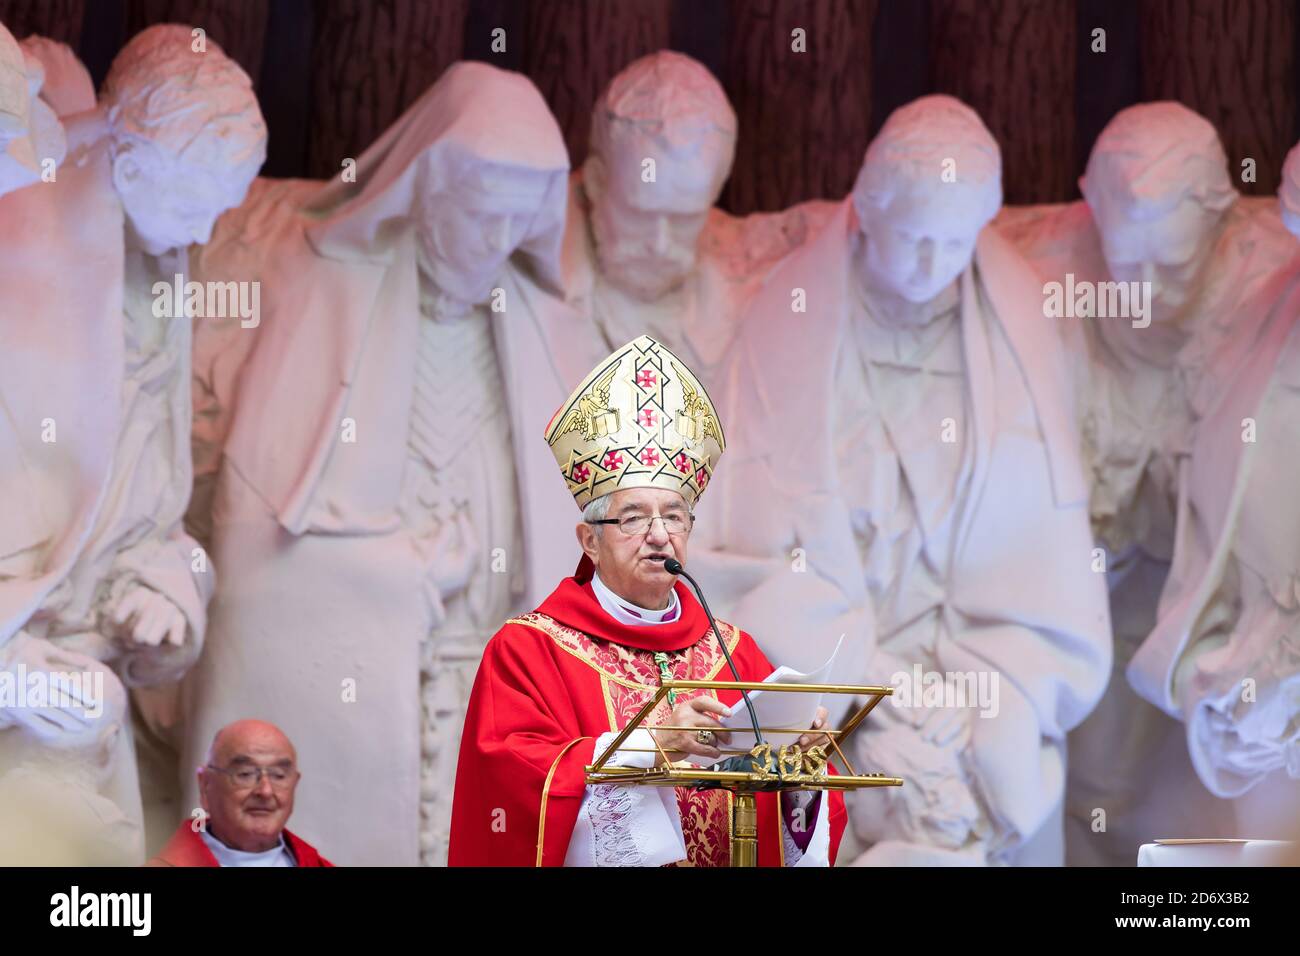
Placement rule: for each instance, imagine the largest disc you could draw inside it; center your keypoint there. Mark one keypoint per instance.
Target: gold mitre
(639, 420)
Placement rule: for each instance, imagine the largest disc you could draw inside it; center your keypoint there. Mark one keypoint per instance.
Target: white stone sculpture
(227, 334)
(365, 517)
(663, 138)
(1139, 275)
(646, 252)
(32, 139)
(68, 88)
(1224, 655)
(96, 391)
(909, 475)
(1288, 193)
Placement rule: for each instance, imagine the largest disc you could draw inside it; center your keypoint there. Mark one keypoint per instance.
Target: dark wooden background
(332, 74)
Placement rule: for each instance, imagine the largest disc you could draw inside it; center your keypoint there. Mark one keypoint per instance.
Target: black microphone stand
(673, 566)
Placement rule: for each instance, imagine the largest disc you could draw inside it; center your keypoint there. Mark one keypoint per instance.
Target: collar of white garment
(625, 612)
(229, 856)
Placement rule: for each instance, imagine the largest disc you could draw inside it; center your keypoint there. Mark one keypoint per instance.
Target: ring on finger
(705, 737)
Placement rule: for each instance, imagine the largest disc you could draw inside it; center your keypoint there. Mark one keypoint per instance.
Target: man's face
(467, 234)
(922, 240)
(171, 202)
(244, 815)
(1167, 251)
(633, 565)
(646, 233)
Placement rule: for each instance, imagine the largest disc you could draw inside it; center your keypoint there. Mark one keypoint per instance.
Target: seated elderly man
(637, 442)
(246, 788)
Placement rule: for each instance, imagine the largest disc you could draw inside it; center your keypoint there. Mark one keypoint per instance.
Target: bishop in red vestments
(637, 443)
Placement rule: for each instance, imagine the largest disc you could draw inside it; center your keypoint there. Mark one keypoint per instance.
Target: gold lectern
(790, 768)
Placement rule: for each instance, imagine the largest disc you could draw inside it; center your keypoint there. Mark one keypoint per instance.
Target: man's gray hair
(597, 510)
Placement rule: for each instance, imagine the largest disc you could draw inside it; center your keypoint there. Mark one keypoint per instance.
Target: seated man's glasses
(246, 778)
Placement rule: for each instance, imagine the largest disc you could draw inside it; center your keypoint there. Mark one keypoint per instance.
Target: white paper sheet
(775, 709)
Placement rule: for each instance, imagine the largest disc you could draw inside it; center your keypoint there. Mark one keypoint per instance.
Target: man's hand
(698, 712)
(816, 740)
(144, 616)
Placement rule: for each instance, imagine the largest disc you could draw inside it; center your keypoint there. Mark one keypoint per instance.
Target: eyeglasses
(675, 522)
(246, 778)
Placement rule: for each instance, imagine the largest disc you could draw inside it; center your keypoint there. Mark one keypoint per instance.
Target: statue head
(30, 133)
(14, 93)
(68, 88)
(931, 180)
(1157, 185)
(1288, 194)
(663, 137)
(186, 136)
(473, 175)
(471, 215)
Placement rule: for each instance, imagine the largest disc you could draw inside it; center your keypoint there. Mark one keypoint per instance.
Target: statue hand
(147, 617)
(77, 712)
(455, 552)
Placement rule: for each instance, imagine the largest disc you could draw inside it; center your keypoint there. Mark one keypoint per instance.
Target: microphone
(673, 566)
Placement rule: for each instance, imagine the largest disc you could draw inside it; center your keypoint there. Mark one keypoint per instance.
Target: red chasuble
(549, 684)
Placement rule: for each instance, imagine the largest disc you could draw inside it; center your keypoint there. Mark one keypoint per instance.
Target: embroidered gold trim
(609, 701)
(780, 831)
(562, 636)
(546, 792)
(731, 815)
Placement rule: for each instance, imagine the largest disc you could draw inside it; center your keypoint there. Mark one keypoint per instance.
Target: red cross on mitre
(650, 378)
(683, 464)
(648, 417)
(649, 456)
(613, 461)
